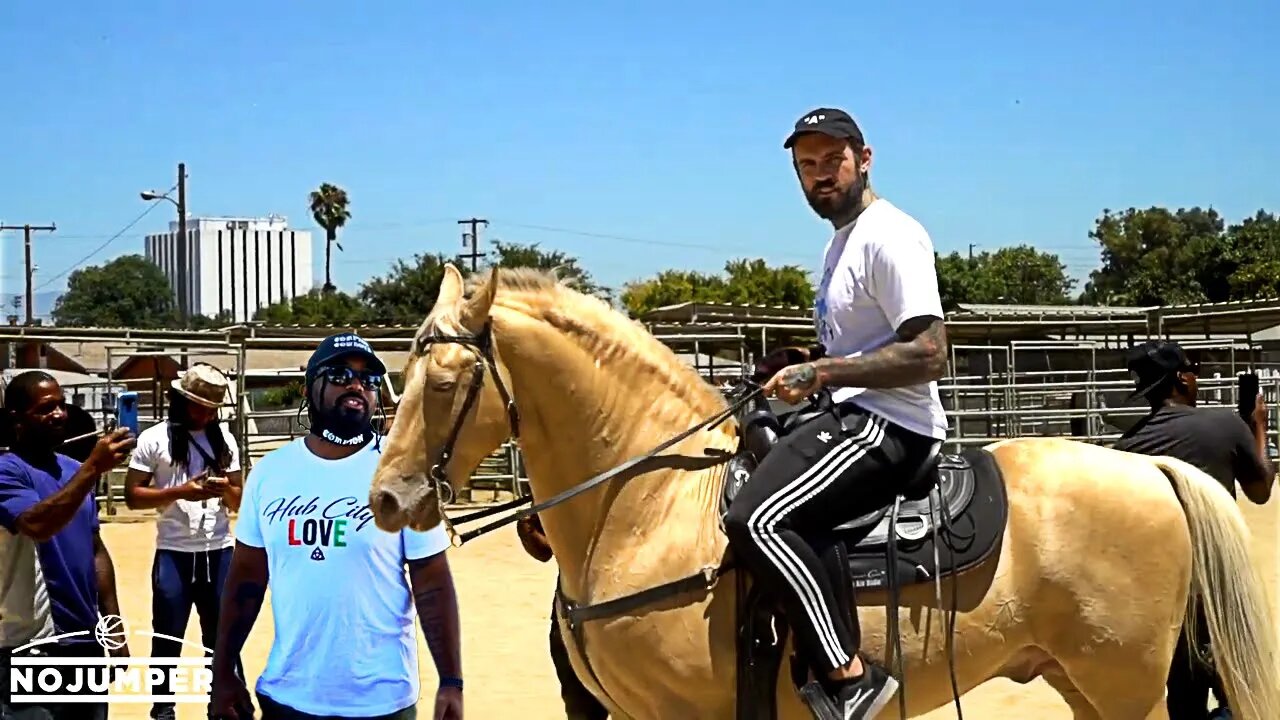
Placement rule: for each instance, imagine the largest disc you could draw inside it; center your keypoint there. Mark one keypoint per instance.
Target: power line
(101, 247)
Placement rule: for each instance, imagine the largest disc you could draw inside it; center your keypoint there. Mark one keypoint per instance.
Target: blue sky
(659, 123)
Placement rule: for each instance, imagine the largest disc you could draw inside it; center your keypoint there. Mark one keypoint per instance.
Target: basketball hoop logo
(111, 632)
(38, 675)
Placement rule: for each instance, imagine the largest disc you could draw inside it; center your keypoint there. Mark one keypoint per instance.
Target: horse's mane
(602, 330)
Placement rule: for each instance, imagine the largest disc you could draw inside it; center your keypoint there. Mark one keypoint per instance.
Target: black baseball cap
(1154, 362)
(339, 346)
(828, 121)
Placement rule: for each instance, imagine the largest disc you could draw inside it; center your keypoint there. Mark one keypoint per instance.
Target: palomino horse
(1089, 586)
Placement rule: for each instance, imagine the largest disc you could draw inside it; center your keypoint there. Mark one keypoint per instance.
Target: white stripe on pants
(820, 475)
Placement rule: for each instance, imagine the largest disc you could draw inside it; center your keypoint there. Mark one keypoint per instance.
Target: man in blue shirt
(56, 575)
(344, 640)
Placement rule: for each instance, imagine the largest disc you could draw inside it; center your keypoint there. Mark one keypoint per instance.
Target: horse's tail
(1242, 630)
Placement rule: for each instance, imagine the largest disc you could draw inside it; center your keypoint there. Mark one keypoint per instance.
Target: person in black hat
(879, 319)
(1219, 442)
(344, 641)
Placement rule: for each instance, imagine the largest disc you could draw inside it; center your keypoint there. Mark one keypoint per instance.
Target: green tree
(511, 255)
(128, 291)
(753, 282)
(671, 287)
(1011, 275)
(318, 307)
(214, 322)
(1158, 257)
(329, 208)
(1255, 247)
(407, 292)
(956, 279)
(749, 282)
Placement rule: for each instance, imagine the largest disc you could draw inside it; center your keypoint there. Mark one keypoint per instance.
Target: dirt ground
(505, 598)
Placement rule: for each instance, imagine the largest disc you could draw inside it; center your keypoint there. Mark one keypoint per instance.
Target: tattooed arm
(437, 603)
(918, 355)
(902, 279)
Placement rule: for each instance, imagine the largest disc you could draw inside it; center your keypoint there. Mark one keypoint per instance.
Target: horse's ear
(450, 288)
(475, 311)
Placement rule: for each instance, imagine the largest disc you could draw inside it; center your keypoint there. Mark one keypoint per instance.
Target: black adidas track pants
(816, 478)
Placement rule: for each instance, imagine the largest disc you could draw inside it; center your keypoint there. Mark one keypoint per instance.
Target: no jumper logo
(37, 677)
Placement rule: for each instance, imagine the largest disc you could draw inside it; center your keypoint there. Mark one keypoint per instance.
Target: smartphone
(1246, 395)
(127, 411)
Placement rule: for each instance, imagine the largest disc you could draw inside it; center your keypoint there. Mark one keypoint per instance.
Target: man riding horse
(879, 315)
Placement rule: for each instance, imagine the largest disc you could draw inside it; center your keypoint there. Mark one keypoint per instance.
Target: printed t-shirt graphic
(344, 616)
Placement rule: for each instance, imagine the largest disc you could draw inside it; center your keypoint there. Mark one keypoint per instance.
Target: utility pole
(26, 241)
(183, 270)
(474, 239)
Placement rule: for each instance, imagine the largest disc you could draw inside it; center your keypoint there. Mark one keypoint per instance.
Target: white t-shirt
(344, 617)
(878, 272)
(185, 525)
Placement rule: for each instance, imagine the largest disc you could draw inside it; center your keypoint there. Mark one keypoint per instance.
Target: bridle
(482, 345)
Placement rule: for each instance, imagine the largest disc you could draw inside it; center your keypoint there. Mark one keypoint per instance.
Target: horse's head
(455, 409)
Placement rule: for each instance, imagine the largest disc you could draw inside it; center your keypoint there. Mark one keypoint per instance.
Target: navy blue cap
(343, 345)
(833, 122)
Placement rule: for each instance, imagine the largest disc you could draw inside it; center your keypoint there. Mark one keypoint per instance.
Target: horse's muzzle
(404, 502)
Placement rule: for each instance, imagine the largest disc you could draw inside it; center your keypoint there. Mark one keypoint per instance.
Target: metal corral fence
(259, 422)
(1062, 388)
(1079, 389)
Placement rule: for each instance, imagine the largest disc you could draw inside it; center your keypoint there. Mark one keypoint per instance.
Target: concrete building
(237, 265)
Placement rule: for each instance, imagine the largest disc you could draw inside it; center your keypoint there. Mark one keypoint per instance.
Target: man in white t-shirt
(879, 316)
(188, 470)
(343, 608)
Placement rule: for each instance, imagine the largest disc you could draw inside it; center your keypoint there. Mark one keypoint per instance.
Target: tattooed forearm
(437, 604)
(918, 356)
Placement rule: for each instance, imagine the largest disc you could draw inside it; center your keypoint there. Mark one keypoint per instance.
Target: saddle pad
(972, 536)
(954, 486)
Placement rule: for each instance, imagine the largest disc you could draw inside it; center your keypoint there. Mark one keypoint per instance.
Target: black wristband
(451, 682)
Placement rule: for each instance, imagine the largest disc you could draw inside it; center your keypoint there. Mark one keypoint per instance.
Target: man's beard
(839, 206)
(342, 425)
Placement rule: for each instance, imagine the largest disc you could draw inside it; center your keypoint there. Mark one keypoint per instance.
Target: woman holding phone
(188, 470)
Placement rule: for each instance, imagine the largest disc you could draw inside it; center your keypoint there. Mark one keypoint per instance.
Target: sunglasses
(342, 376)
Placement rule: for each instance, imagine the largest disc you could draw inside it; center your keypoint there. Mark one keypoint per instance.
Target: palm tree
(329, 208)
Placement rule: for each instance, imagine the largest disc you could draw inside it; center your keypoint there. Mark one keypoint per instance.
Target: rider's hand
(795, 383)
(1260, 412)
(111, 449)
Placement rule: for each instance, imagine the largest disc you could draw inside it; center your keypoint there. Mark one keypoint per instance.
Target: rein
(706, 578)
(482, 345)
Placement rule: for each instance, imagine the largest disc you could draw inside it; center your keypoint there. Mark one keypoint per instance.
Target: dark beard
(840, 208)
(341, 425)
